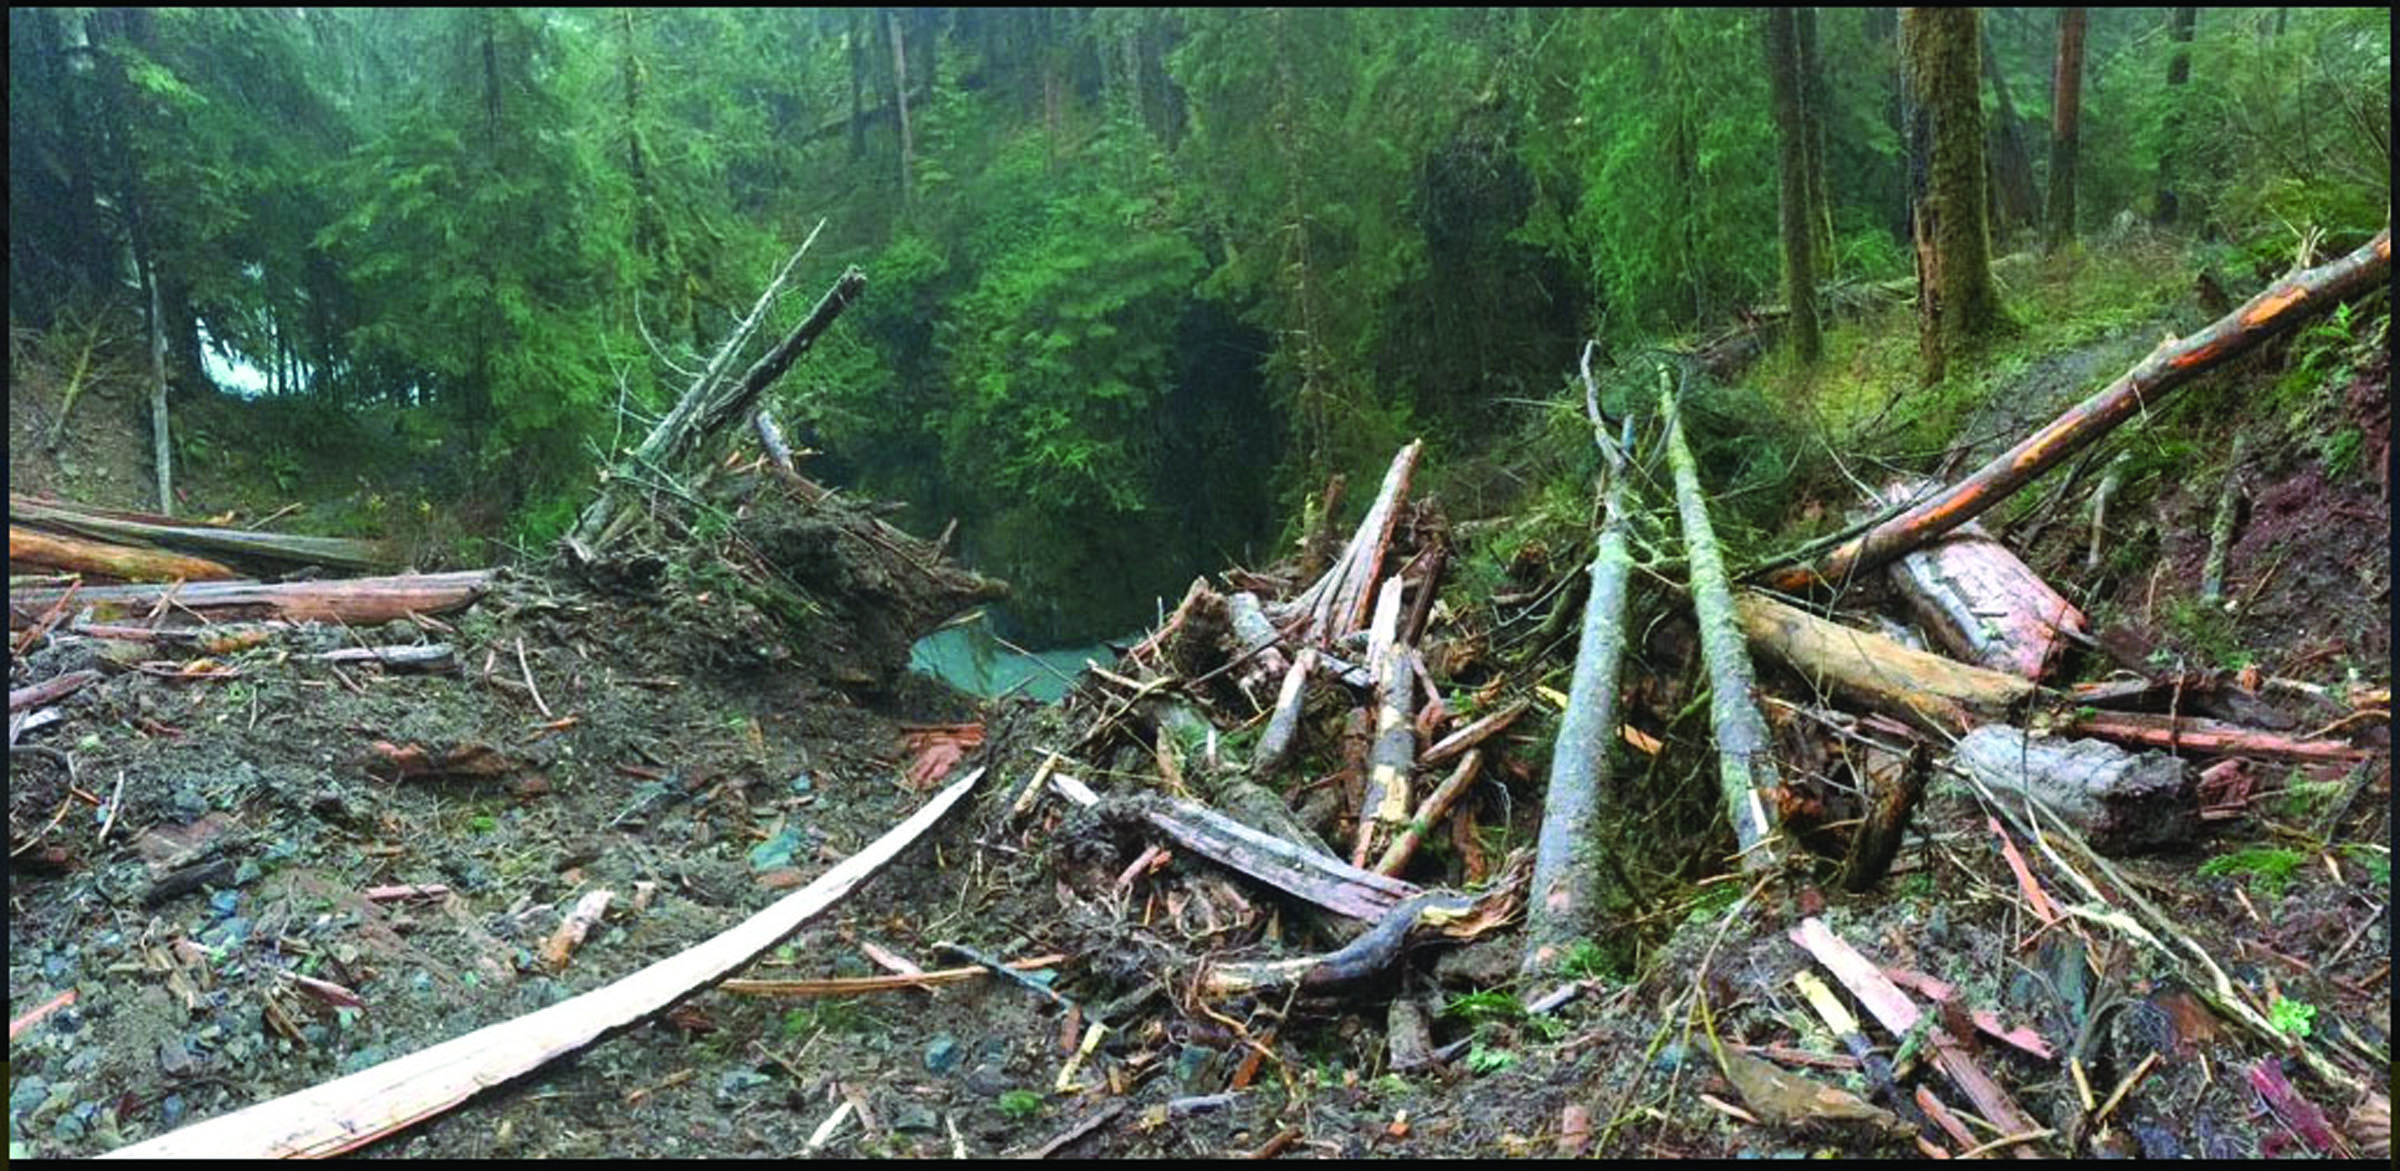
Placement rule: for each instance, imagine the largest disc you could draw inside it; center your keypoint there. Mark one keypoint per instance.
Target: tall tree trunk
(857, 39)
(2012, 160)
(900, 96)
(1958, 304)
(2179, 73)
(1816, 105)
(2066, 125)
(1791, 134)
(1314, 417)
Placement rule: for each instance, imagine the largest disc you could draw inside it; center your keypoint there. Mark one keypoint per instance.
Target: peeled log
(2205, 737)
(1983, 603)
(76, 555)
(1877, 672)
(358, 601)
(2119, 802)
(1384, 812)
(2278, 309)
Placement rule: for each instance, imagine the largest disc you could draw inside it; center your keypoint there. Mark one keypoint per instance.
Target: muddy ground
(213, 838)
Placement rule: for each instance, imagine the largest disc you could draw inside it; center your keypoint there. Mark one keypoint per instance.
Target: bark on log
(149, 529)
(2120, 802)
(1892, 786)
(1565, 903)
(1745, 753)
(2279, 308)
(1476, 733)
(1257, 635)
(350, 1112)
(2200, 736)
(1866, 668)
(1981, 602)
(358, 601)
(75, 554)
(1315, 878)
(50, 690)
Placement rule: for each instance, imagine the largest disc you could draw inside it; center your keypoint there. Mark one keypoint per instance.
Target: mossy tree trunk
(1816, 103)
(1799, 221)
(2066, 125)
(1957, 302)
(2179, 74)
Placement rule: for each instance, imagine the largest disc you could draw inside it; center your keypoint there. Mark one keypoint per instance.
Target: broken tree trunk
(2280, 307)
(1869, 669)
(2118, 801)
(1564, 905)
(1384, 811)
(350, 1112)
(1338, 601)
(161, 531)
(1436, 804)
(75, 554)
(1283, 728)
(709, 403)
(1981, 601)
(1745, 759)
(357, 601)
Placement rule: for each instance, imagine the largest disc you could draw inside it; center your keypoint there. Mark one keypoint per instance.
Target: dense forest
(1141, 280)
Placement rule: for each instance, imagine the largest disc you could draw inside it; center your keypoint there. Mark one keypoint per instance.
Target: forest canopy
(1140, 280)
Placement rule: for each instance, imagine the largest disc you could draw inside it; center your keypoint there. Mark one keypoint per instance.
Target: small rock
(944, 1054)
(28, 1093)
(171, 1111)
(988, 1082)
(909, 1116)
(174, 1060)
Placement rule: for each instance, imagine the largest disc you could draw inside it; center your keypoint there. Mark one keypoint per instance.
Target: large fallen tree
(2277, 310)
(1565, 902)
(357, 601)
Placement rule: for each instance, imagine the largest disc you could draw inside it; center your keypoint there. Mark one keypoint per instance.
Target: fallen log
(1383, 813)
(1982, 602)
(350, 1112)
(1316, 878)
(2200, 736)
(2120, 802)
(50, 690)
(2275, 310)
(358, 601)
(1436, 804)
(1565, 902)
(1283, 728)
(1869, 669)
(285, 548)
(1890, 787)
(1745, 757)
(125, 562)
(1484, 728)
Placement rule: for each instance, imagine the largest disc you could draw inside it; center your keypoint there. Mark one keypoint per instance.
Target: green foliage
(2292, 1018)
(2378, 865)
(2268, 868)
(1022, 1105)
(1482, 1058)
(1485, 1006)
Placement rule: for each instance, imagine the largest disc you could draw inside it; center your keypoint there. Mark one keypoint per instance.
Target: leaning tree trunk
(2066, 125)
(1798, 218)
(1565, 903)
(709, 403)
(1745, 765)
(1958, 303)
(2276, 310)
